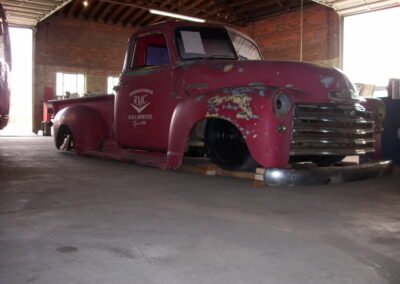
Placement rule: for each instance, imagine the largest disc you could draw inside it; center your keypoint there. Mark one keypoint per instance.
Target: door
(144, 104)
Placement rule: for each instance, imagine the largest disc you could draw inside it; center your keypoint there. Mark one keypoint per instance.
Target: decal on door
(140, 99)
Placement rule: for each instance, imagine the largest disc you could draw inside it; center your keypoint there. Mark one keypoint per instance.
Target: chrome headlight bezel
(281, 103)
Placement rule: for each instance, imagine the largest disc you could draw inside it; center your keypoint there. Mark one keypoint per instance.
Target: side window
(156, 55)
(150, 50)
(245, 48)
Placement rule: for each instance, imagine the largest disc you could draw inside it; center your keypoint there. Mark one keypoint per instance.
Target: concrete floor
(69, 219)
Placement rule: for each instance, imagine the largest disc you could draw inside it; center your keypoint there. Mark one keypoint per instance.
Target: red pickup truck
(203, 88)
(5, 65)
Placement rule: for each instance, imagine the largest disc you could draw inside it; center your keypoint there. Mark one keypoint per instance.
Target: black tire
(227, 147)
(64, 140)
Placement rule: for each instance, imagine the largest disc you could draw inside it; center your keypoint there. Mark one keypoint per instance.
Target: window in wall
(70, 85)
(371, 48)
(111, 83)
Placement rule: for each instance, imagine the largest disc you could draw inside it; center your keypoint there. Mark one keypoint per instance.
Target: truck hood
(313, 82)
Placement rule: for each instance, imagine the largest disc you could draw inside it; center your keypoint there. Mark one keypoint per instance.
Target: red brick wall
(81, 44)
(279, 37)
(76, 46)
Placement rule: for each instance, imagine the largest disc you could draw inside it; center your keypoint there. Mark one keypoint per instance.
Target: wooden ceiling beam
(22, 14)
(33, 2)
(257, 7)
(95, 12)
(74, 8)
(276, 12)
(115, 19)
(24, 10)
(125, 15)
(114, 13)
(147, 19)
(26, 6)
(104, 12)
(133, 20)
(242, 3)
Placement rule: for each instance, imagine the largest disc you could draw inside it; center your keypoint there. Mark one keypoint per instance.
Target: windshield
(245, 48)
(204, 43)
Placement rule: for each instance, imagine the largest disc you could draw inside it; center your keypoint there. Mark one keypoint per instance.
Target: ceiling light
(85, 3)
(178, 16)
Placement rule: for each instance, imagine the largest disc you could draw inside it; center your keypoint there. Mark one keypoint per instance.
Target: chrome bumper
(326, 175)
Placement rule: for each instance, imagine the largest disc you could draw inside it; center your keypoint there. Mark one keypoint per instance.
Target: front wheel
(227, 147)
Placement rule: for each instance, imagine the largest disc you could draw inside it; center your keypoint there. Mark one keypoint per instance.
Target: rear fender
(249, 108)
(85, 124)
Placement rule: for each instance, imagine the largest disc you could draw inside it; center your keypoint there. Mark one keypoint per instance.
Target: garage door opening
(371, 45)
(20, 122)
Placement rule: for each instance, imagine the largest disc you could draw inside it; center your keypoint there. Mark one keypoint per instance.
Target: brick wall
(76, 46)
(279, 37)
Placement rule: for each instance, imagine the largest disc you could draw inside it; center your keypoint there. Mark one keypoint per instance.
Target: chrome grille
(332, 129)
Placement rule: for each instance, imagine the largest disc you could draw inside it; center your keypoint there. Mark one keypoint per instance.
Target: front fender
(85, 124)
(250, 109)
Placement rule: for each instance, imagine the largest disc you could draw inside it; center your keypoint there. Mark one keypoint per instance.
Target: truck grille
(332, 129)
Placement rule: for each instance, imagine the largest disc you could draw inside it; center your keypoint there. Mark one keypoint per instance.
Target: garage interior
(70, 219)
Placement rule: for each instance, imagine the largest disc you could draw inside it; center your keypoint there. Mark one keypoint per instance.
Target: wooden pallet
(204, 167)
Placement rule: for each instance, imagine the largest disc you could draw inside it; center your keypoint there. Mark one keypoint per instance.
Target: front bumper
(326, 175)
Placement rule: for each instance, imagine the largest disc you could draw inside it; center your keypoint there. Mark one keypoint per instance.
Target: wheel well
(198, 130)
(227, 146)
(62, 131)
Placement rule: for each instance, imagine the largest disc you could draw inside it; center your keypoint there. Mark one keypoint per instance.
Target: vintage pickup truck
(5, 65)
(203, 88)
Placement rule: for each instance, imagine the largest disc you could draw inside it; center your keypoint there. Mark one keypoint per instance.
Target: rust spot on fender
(235, 101)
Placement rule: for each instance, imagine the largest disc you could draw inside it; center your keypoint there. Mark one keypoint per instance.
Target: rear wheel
(64, 139)
(227, 147)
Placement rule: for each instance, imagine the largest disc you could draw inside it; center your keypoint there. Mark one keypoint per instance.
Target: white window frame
(77, 89)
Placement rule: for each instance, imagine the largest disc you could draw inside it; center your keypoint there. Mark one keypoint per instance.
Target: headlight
(282, 104)
(380, 112)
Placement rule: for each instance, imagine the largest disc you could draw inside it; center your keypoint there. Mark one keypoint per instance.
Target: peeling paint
(200, 98)
(228, 67)
(257, 84)
(236, 101)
